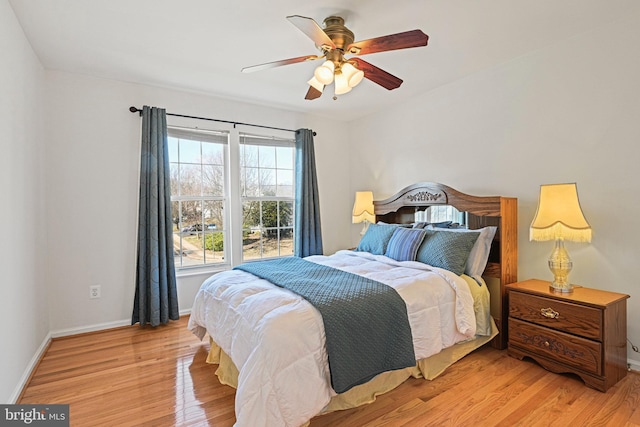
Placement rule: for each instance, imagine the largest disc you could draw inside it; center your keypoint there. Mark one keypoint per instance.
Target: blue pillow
(404, 244)
(376, 238)
(447, 249)
(479, 255)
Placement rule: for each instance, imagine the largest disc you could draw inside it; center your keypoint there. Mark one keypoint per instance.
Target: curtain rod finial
(135, 110)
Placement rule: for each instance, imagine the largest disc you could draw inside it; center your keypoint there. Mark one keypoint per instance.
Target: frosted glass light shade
(559, 215)
(316, 84)
(324, 73)
(342, 86)
(352, 74)
(363, 207)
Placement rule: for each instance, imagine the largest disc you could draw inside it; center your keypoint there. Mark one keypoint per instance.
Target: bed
(270, 343)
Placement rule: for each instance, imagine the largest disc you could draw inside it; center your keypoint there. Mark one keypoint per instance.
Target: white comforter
(276, 338)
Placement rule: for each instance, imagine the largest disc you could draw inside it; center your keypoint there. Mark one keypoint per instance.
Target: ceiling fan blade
(377, 75)
(312, 30)
(280, 63)
(413, 38)
(312, 93)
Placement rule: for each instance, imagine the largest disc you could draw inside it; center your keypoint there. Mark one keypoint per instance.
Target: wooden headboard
(482, 211)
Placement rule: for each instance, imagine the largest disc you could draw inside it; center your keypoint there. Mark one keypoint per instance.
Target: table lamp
(363, 210)
(559, 217)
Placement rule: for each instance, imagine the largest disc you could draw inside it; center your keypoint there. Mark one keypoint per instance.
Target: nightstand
(583, 332)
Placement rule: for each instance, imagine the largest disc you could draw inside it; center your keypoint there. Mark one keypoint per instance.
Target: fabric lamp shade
(559, 215)
(363, 208)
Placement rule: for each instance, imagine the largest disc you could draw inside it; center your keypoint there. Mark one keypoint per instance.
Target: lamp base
(560, 265)
(365, 227)
(560, 289)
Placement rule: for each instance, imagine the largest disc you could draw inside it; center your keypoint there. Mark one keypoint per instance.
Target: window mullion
(235, 200)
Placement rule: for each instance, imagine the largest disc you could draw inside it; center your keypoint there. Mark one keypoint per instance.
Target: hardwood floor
(147, 376)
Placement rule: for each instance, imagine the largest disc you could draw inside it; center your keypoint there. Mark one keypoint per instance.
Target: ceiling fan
(335, 41)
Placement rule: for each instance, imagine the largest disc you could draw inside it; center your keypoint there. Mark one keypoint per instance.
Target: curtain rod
(137, 110)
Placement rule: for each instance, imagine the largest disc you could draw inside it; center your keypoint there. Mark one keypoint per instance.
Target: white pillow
(479, 255)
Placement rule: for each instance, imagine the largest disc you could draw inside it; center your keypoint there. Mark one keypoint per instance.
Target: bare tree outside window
(198, 198)
(267, 174)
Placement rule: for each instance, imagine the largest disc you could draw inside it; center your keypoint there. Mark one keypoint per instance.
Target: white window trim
(233, 252)
(206, 135)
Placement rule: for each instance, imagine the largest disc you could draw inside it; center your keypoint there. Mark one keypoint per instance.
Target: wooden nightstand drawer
(583, 332)
(559, 315)
(565, 348)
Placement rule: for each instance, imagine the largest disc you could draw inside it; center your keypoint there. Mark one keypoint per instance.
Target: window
(267, 186)
(198, 197)
(204, 197)
(442, 213)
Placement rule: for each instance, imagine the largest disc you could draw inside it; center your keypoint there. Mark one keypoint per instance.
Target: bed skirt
(428, 368)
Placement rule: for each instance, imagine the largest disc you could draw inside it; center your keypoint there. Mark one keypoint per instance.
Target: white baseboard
(100, 326)
(634, 365)
(30, 368)
(91, 328)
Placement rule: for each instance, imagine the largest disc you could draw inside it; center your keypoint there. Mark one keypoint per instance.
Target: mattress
(275, 338)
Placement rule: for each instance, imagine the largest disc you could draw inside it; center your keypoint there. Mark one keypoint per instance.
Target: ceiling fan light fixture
(342, 85)
(352, 74)
(316, 84)
(334, 41)
(324, 73)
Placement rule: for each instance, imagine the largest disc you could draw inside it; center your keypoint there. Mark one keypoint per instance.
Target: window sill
(201, 271)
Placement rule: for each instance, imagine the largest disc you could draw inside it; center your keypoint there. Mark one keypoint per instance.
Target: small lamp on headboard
(363, 209)
(559, 217)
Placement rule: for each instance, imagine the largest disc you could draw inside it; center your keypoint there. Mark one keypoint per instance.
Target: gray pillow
(447, 249)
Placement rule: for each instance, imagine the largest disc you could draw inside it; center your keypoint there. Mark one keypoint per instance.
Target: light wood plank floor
(147, 376)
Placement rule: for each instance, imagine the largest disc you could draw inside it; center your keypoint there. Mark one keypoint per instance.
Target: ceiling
(201, 45)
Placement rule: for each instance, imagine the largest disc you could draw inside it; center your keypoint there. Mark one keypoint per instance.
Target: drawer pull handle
(549, 313)
(546, 344)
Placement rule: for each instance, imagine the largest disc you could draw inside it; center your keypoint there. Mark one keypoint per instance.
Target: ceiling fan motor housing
(337, 32)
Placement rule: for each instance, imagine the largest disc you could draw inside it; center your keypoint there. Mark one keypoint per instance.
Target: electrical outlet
(94, 291)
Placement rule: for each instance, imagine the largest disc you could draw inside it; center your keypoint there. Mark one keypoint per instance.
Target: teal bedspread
(366, 325)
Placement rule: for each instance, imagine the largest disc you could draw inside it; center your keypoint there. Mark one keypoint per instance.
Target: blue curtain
(156, 299)
(308, 235)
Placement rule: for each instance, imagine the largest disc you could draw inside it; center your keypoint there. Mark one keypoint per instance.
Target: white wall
(69, 171)
(92, 187)
(23, 292)
(566, 113)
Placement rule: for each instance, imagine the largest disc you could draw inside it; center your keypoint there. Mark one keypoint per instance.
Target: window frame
(207, 136)
(233, 244)
(259, 140)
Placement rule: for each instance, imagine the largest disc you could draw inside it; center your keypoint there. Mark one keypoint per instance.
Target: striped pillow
(404, 244)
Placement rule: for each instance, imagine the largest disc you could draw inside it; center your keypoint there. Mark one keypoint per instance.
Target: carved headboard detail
(426, 196)
(482, 211)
